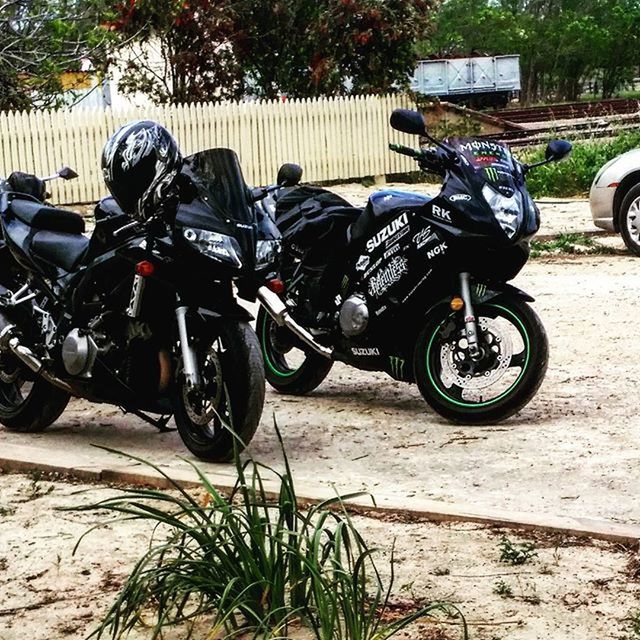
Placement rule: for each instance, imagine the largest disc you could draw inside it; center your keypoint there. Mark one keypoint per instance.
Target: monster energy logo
(344, 285)
(397, 366)
(481, 289)
(491, 174)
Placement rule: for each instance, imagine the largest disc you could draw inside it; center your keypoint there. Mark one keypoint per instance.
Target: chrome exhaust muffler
(279, 312)
(9, 342)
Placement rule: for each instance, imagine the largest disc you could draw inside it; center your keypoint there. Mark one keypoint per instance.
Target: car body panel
(602, 196)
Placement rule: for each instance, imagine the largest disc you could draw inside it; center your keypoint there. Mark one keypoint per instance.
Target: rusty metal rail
(569, 111)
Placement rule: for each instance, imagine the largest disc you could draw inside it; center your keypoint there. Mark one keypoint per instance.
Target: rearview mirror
(67, 173)
(558, 150)
(289, 175)
(408, 121)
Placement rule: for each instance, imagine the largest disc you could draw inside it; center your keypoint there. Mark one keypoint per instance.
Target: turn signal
(456, 304)
(145, 268)
(276, 285)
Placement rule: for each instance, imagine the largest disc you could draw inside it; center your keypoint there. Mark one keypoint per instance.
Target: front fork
(189, 356)
(470, 325)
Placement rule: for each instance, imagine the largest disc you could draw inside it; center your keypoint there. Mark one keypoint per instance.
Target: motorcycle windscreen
(490, 160)
(217, 177)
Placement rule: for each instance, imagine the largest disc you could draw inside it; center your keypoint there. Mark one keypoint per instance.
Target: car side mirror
(67, 173)
(408, 121)
(289, 175)
(558, 150)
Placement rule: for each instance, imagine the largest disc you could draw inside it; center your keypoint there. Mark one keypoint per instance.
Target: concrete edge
(384, 506)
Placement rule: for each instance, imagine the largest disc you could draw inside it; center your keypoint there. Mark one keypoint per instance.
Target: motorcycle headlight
(214, 245)
(506, 210)
(267, 252)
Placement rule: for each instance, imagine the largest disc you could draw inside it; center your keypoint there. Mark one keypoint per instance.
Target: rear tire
(31, 410)
(233, 381)
(284, 378)
(439, 344)
(629, 220)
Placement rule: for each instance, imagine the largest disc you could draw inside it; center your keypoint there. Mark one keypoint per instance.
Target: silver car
(615, 198)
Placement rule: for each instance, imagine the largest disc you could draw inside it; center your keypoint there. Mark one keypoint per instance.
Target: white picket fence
(332, 138)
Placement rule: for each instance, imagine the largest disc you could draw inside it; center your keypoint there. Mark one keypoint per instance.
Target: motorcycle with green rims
(416, 286)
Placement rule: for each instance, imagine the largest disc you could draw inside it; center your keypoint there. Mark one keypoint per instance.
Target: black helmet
(140, 163)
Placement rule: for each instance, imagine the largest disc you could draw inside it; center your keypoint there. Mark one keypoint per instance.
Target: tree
(267, 48)
(562, 43)
(40, 40)
(182, 50)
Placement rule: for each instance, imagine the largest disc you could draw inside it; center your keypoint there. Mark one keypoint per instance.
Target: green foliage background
(574, 176)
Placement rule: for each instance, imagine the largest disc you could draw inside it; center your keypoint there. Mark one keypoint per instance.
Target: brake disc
(454, 355)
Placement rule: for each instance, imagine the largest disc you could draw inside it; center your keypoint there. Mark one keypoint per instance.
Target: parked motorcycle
(415, 286)
(143, 313)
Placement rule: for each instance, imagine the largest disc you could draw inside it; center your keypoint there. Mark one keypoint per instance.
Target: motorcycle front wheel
(224, 412)
(288, 369)
(512, 365)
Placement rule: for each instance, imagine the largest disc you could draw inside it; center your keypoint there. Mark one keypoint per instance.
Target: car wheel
(629, 220)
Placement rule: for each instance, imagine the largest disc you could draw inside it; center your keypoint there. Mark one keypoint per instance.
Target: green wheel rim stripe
(265, 352)
(504, 393)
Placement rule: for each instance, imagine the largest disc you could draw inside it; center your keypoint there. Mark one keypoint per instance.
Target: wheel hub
(459, 369)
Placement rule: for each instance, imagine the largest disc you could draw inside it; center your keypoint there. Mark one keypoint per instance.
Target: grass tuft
(514, 553)
(253, 562)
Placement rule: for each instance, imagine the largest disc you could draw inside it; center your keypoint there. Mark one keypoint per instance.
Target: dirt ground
(569, 590)
(573, 450)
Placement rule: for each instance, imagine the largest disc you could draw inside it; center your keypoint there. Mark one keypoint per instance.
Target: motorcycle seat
(64, 250)
(40, 216)
(381, 207)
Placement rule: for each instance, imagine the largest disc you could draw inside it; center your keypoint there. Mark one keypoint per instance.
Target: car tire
(629, 220)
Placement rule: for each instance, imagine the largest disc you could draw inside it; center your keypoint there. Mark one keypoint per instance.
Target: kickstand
(160, 423)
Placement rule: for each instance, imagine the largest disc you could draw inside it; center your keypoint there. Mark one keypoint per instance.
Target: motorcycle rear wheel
(283, 373)
(225, 412)
(27, 405)
(514, 362)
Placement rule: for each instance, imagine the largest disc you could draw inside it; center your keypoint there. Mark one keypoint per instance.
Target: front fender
(483, 293)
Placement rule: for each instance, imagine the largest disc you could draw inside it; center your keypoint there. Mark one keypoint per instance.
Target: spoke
(518, 359)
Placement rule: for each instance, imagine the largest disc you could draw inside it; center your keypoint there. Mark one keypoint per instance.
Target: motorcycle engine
(354, 316)
(79, 353)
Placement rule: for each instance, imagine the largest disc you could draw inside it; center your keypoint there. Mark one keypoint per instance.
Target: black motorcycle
(141, 315)
(416, 286)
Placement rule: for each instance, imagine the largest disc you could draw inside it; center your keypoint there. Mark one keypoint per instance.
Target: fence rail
(332, 138)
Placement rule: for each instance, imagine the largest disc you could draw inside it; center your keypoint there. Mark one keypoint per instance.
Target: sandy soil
(569, 590)
(573, 450)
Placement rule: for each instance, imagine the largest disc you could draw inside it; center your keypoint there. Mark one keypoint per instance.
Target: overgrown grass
(252, 563)
(574, 176)
(570, 243)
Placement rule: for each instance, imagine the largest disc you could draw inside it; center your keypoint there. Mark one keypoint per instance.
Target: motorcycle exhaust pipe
(10, 342)
(279, 312)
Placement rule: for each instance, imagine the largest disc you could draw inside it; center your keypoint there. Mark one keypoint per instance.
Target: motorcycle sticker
(363, 263)
(460, 197)
(437, 251)
(397, 366)
(439, 212)
(425, 236)
(365, 351)
(387, 232)
(388, 276)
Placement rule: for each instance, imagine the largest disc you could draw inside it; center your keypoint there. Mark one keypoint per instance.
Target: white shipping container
(463, 76)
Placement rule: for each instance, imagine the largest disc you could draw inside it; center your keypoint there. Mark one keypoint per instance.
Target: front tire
(629, 220)
(288, 373)
(231, 394)
(514, 362)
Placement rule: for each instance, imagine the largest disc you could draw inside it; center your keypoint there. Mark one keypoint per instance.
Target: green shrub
(573, 177)
(253, 563)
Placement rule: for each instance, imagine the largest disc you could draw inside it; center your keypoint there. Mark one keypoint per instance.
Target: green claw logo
(397, 366)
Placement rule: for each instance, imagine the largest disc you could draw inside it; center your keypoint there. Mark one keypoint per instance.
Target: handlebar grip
(405, 151)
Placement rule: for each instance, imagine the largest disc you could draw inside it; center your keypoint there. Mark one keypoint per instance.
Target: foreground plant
(252, 563)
